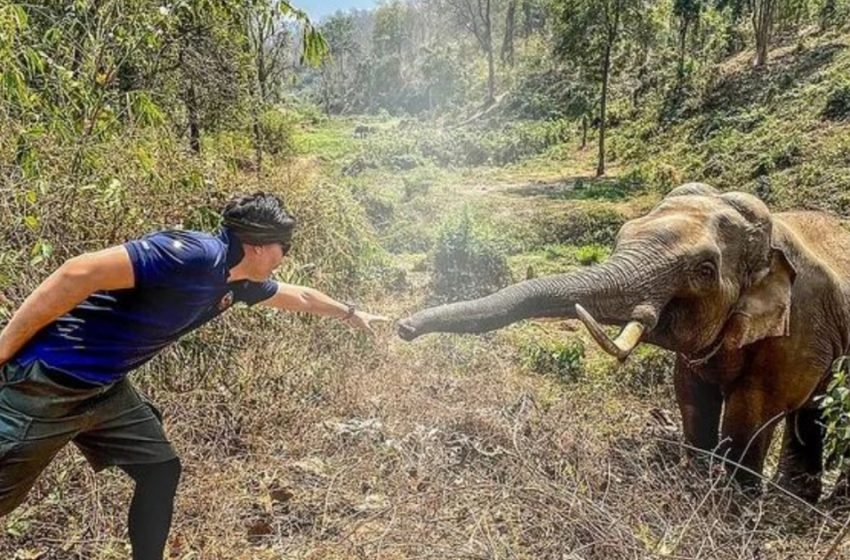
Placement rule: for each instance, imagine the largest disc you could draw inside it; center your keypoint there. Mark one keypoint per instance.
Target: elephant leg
(801, 464)
(749, 419)
(700, 404)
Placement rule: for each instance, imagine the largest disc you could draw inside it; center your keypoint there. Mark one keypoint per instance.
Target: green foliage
(413, 145)
(835, 407)
(468, 261)
(561, 359)
(838, 104)
(591, 254)
(648, 369)
(588, 223)
(277, 130)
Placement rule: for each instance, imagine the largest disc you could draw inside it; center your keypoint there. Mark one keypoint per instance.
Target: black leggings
(153, 502)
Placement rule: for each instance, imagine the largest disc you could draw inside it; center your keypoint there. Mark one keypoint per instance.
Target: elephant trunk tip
(406, 329)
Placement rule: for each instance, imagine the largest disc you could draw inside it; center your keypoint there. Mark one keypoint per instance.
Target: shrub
(647, 369)
(590, 223)
(468, 262)
(591, 254)
(838, 104)
(416, 186)
(562, 359)
(835, 405)
(276, 131)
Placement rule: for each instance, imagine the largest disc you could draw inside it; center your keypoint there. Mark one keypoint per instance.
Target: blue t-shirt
(181, 283)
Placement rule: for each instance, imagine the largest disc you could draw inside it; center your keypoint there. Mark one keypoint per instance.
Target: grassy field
(301, 439)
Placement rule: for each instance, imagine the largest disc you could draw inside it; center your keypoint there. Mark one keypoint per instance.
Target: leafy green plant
(468, 261)
(838, 104)
(591, 254)
(562, 359)
(835, 407)
(647, 369)
(276, 131)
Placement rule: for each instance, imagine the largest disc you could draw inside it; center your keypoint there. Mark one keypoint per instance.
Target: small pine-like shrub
(838, 104)
(468, 261)
(277, 130)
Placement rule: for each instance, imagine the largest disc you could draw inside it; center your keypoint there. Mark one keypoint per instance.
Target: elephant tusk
(620, 348)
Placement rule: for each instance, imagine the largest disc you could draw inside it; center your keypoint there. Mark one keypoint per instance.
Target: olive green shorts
(41, 410)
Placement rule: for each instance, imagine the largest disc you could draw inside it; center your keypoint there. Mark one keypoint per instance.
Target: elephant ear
(764, 308)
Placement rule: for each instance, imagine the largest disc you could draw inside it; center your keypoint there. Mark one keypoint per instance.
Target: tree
(338, 71)
(389, 39)
(507, 54)
(476, 16)
(589, 32)
(687, 12)
(763, 13)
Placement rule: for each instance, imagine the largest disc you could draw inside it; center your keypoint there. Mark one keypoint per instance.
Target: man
(66, 352)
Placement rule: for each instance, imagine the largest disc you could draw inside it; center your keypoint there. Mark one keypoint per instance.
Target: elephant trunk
(616, 292)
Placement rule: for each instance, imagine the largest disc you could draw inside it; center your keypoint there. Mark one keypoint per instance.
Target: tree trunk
(258, 142)
(526, 18)
(606, 70)
(763, 12)
(508, 42)
(584, 131)
(491, 85)
(194, 124)
(683, 35)
(491, 68)
(826, 17)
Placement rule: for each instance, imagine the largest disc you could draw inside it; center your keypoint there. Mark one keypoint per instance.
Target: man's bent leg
(34, 426)
(20, 466)
(153, 504)
(127, 432)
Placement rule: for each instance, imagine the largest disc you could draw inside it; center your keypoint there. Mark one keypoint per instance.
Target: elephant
(753, 303)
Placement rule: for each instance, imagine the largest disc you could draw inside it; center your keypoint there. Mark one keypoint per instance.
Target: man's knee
(157, 476)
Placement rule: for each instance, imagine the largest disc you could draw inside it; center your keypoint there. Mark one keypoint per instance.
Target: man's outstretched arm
(71, 283)
(301, 299)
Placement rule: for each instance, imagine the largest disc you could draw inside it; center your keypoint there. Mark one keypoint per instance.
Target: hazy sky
(320, 8)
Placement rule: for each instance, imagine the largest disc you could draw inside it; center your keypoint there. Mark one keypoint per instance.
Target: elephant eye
(707, 270)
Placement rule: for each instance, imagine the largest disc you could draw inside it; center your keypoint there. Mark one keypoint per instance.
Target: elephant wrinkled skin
(754, 304)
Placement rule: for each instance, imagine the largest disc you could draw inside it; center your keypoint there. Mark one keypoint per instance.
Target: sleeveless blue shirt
(180, 284)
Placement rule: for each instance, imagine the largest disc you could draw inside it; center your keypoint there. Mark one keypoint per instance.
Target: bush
(647, 369)
(276, 131)
(838, 104)
(562, 359)
(590, 223)
(591, 254)
(835, 405)
(468, 262)
(416, 145)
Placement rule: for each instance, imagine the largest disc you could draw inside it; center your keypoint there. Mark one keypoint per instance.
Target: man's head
(264, 228)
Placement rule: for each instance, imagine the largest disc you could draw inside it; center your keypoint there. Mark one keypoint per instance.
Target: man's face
(262, 260)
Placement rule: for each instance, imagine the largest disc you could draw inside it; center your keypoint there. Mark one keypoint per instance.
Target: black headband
(253, 233)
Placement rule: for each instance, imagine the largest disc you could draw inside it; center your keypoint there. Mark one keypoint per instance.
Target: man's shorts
(41, 410)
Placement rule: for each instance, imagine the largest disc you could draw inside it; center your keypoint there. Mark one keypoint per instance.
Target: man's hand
(363, 321)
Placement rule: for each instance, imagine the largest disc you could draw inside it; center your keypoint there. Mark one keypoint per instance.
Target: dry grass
(306, 442)
(302, 440)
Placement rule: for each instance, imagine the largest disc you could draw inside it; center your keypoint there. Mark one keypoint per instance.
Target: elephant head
(700, 271)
